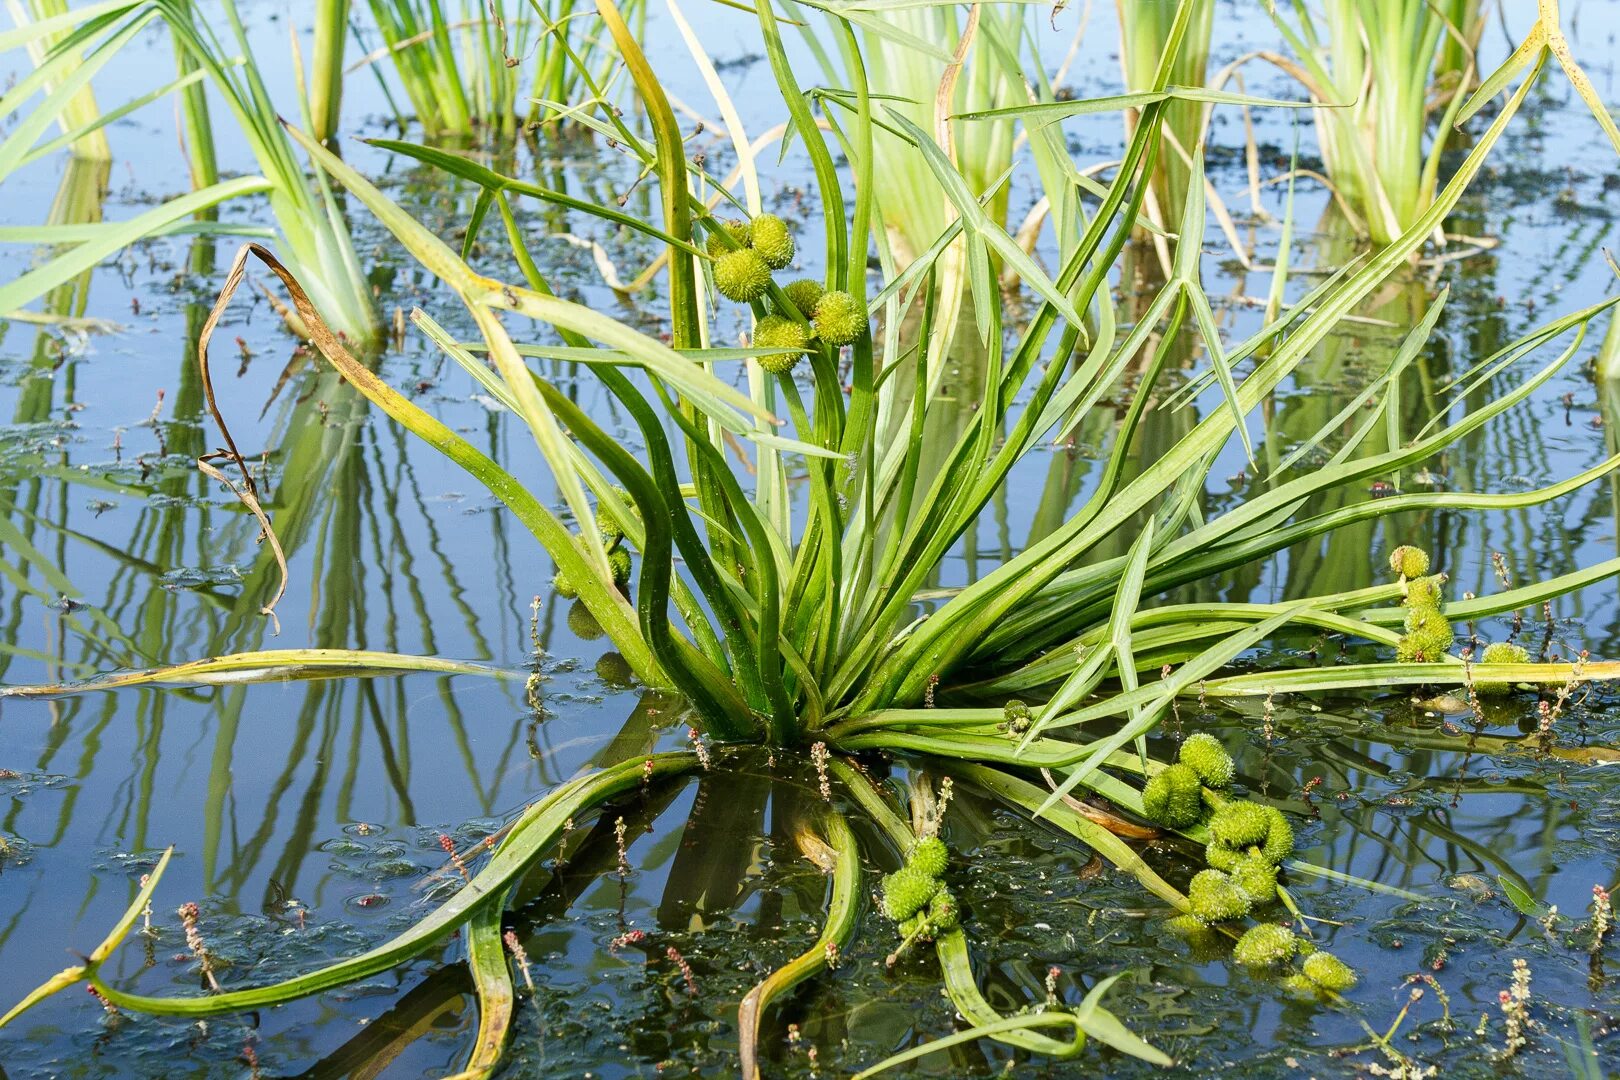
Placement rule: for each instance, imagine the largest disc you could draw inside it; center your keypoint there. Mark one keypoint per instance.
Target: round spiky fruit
(1257, 877)
(1264, 946)
(1240, 824)
(1215, 898)
(929, 855)
(742, 276)
(776, 332)
(1205, 755)
(1221, 857)
(619, 563)
(906, 892)
(583, 623)
(1409, 561)
(805, 295)
(1328, 972)
(1428, 636)
(1505, 652)
(562, 586)
(739, 232)
(840, 319)
(1279, 843)
(1173, 797)
(944, 913)
(909, 927)
(1423, 591)
(771, 239)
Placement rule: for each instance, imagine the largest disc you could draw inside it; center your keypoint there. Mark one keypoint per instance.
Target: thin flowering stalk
(449, 847)
(629, 937)
(520, 957)
(619, 830)
(189, 915)
(820, 755)
(679, 961)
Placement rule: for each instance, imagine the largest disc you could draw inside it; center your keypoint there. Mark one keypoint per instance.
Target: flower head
(1409, 561)
(1505, 652)
(1328, 972)
(1215, 898)
(771, 239)
(1240, 824)
(1206, 756)
(1266, 945)
(805, 294)
(840, 319)
(778, 332)
(1428, 636)
(739, 232)
(929, 855)
(1173, 797)
(742, 276)
(907, 891)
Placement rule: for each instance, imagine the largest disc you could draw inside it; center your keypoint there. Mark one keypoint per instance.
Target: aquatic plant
(797, 622)
(311, 232)
(488, 68)
(1383, 68)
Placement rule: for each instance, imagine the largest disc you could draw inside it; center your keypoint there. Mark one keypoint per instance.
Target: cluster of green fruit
(1247, 843)
(1428, 632)
(1269, 946)
(743, 273)
(618, 559)
(1247, 840)
(916, 898)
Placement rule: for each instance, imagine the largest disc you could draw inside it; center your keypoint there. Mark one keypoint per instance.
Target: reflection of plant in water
(801, 633)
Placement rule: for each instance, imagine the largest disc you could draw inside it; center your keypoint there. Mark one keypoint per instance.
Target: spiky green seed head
(1173, 797)
(1505, 652)
(1216, 898)
(742, 276)
(1015, 712)
(944, 913)
(1428, 636)
(776, 332)
(1221, 857)
(562, 586)
(619, 563)
(739, 232)
(906, 892)
(840, 319)
(929, 855)
(1328, 972)
(1257, 877)
(805, 295)
(771, 239)
(909, 927)
(583, 623)
(1205, 755)
(1240, 824)
(1299, 984)
(1423, 591)
(1264, 946)
(1409, 562)
(1279, 843)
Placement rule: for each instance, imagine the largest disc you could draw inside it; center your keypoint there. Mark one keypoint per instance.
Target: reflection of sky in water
(392, 548)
